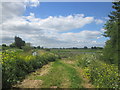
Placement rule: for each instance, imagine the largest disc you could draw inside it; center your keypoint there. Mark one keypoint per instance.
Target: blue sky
(45, 9)
(63, 24)
(99, 10)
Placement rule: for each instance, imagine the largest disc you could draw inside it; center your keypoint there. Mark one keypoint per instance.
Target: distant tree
(99, 47)
(38, 47)
(47, 49)
(4, 45)
(85, 47)
(95, 47)
(63, 48)
(75, 48)
(112, 27)
(35, 47)
(42, 47)
(12, 45)
(19, 42)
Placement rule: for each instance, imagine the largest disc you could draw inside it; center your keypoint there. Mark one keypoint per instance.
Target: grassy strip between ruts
(61, 75)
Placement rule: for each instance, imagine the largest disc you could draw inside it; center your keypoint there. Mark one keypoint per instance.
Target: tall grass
(101, 74)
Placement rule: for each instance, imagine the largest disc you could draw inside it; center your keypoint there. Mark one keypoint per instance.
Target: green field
(64, 53)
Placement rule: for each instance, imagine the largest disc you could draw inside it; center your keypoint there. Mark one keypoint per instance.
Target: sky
(55, 24)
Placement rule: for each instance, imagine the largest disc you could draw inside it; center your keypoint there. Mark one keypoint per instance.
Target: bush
(15, 66)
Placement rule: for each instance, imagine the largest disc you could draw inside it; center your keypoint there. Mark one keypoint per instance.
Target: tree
(4, 45)
(112, 27)
(75, 48)
(85, 47)
(19, 42)
(99, 47)
(38, 47)
(35, 47)
(94, 47)
(12, 45)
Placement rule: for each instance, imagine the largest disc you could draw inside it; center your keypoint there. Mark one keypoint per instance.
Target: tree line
(20, 44)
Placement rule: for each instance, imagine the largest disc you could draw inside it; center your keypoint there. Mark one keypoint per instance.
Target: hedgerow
(15, 66)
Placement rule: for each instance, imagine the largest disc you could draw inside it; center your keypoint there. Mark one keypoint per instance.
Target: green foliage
(12, 45)
(96, 47)
(16, 65)
(4, 45)
(111, 49)
(19, 42)
(101, 74)
(26, 48)
(47, 49)
(38, 47)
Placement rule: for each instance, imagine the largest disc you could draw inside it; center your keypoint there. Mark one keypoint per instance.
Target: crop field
(57, 69)
(64, 53)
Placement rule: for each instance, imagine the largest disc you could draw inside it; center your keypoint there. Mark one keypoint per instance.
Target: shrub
(15, 66)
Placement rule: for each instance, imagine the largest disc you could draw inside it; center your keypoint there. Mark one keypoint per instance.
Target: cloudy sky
(55, 24)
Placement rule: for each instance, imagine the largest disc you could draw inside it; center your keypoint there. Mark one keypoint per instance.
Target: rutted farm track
(57, 69)
(59, 74)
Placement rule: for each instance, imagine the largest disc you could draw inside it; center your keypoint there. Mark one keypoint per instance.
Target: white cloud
(77, 37)
(99, 21)
(47, 32)
(59, 23)
(102, 30)
(11, 10)
(65, 23)
(94, 41)
(107, 18)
